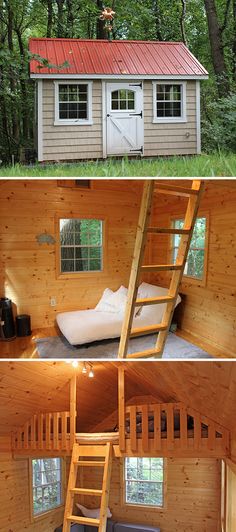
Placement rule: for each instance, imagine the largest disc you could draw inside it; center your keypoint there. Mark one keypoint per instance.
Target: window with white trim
(73, 103)
(169, 102)
(46, 484)
(81, 245)
(144, 481)
(195, 263)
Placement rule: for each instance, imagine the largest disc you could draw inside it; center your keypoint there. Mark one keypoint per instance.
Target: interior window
(46, 484)
(73, 101)
(144, 481)
(81, 245)
(197, 252)
(123, 100)
(169, 100)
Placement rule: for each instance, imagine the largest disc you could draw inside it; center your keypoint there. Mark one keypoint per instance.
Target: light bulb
(91, 374)
(84, 369)
(75, 363)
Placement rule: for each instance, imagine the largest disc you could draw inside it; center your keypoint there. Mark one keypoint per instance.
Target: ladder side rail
(139, 249)
(71, 483)
(185, 240)
(105, 488)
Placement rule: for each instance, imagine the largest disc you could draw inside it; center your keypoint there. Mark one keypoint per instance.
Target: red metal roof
(119, 58)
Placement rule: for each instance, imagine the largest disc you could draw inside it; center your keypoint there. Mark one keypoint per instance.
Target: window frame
(189, 278)
(72, 121)
(170, 119)
(120, 111)
(143, 506)
(37, 517)
(80, 274)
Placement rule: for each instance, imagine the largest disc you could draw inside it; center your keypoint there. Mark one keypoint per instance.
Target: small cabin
(98, 98)
(66, 256)
(169, 430)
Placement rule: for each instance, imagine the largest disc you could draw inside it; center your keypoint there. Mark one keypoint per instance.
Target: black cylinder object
(23, 327)
(7, 324)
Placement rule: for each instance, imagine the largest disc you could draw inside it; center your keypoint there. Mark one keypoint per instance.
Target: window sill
(169, 121)
(73, 123)
(79, 275)
(145, 506)
(44, 515)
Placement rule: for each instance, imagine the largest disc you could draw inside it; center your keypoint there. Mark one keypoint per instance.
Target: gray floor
(58, 347)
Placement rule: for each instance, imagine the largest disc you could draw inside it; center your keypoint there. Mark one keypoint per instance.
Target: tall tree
(217, 48)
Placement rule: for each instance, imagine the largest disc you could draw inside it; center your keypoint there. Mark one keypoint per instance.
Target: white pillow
(147, 290)
(114, 301)
(101, 306)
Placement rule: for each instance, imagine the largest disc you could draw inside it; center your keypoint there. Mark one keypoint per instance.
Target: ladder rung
(175, 190)
(83, 520)
(145, 354)
(161, 267)
(169, 231)
(150, 329)
(153, 301)
(90, 463)
(85, 491)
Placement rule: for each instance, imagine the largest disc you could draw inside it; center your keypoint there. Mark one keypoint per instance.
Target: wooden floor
(26, 347)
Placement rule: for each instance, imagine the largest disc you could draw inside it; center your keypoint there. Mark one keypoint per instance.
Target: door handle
(108, 114)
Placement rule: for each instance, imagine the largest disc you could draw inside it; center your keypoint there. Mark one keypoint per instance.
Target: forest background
(208, 28)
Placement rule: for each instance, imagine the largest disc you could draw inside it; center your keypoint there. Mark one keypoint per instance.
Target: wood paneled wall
(209, 311)
(192, 501)
(28, 275)
(15, 515)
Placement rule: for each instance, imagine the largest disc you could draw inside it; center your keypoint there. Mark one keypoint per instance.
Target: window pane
(195, 262)
(46, 484)
(73, 101)
(81, 245)
(169, 100)
(144, 481)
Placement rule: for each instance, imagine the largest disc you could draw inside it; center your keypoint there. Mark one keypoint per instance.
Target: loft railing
(50, 431)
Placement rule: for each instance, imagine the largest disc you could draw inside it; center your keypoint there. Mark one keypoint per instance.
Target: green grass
(214, 165)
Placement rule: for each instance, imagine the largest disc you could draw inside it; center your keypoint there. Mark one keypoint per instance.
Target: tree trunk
(234, 41)
(182, 21)
(24, 91)
(49, 18)
(217, 51)
(70, 19)
(12, 79)
(60, 25)
(157, 19)
(101, 32)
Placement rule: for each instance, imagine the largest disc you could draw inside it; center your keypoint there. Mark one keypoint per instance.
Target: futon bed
(105, 320)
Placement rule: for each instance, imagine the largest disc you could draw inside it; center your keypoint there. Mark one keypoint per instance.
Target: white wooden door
(124, 118)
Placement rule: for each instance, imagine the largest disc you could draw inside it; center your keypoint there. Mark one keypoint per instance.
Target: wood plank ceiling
(30, 387)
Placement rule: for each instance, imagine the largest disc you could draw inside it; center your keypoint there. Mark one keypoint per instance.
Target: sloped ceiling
(30, 387)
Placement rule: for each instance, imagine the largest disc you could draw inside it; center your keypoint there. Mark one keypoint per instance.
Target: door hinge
(137, 114)
(135, 84)
(140, 150)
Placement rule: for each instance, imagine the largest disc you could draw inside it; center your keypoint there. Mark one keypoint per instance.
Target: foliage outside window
(169, 101)
(196, 256)
(123, 100)
(144, 481)
(81, 245)
(73, 101)
(46, 484)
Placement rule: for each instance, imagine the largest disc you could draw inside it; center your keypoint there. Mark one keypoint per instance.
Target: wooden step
(83, 520)
(161, 267)
(153, 301)
(168, 231)
(150, 329)
(90, 463)
(145, 354)
(85, 491)
(174, 190)
(92, 450)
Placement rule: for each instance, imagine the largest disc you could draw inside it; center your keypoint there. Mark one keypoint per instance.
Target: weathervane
(108, 16)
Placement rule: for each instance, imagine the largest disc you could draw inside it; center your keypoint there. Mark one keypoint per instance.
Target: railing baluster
(170, 425)
(157, 427)
(63, 430)
(183, 427)
(55, 431)
(40, 431)
(48, 431)
(133, 432)
(145, 440)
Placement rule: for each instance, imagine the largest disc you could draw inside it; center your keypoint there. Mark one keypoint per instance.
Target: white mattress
(85, 326)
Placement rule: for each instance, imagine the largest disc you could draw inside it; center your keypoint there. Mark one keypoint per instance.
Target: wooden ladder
(194, 196)
(80, 458)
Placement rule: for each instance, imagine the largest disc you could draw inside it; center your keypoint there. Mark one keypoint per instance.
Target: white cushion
(147, 290)
(101, 306)
(114, 301)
